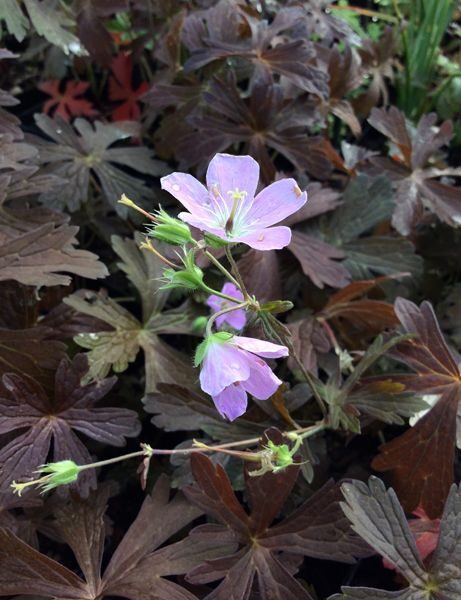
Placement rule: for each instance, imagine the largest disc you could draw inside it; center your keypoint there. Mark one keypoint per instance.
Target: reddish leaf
(421, 460)
(357, 318)
(412, 176)
(316, 528)
(317, 260)
(55, 419)
(137, 566)
(121, 89)
(69, 103)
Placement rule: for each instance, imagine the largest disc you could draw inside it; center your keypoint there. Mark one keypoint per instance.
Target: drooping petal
(274, 203)
(230, 173)
(215, 303)
(189, 191)
(222, 365)
(274, 238)
(262, 382)
(260, 347)
(236, 319)
(231, 289)
(231, 402)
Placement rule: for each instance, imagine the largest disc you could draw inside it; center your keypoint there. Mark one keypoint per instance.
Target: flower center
(236, 195)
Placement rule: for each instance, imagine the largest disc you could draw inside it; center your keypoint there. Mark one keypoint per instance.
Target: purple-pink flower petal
(259, 347)
(228, 173)
(262, 382)
(222, 365)
(235, 318)
(228, 208)
(276, 202)
(274, 238)
(189, 191)
(231, 402)
(231, 367)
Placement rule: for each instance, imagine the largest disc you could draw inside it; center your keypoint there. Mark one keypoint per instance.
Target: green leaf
(117, 348)
(50, 22)
(16, 22)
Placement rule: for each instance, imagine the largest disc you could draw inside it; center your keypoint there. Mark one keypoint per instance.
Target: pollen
(297, 191)
(237, 194)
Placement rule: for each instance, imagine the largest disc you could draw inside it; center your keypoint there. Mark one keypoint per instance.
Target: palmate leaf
(137, 569)
(37, 245)
(292, 59)
(316, 529)
(264, 120)
(55, 419)
(348, 400)
(116, 348)
(414, 180)
(357, 317)
(367, 202)
(377, 516)
(421, 460)
(67, 103)
(79, 154)
(46, 18)
(177, 408)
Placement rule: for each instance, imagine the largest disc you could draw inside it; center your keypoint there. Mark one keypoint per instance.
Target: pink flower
(231, 369)
(236, 318)
(228, 208)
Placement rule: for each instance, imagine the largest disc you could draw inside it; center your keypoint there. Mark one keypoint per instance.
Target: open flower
(228, 208)
(231, 368)
(236, 318)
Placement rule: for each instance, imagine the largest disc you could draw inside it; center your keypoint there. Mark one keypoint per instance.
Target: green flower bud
(191, 278)
(277, 306)
(199, 324)
(58, 473)
(170, 230)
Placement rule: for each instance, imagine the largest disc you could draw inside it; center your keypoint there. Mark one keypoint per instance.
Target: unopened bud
(170, 230)
(56, 474)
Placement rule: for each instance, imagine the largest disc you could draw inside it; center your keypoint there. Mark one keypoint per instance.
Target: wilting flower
(236, 318)
(231, 368)
(228, 208)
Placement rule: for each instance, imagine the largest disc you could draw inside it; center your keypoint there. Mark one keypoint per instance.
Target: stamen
(236, 196)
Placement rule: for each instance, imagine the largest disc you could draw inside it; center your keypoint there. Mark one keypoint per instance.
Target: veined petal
(189, 191)
(205, 223)
(223, 365)
(273, 238)
(231, 402)
(262, 382)
(259, 347)
(274, 203)
(231, 173)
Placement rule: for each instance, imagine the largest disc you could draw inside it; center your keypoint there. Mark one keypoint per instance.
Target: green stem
(221, 267)
(220, 294)
(236, 273)
(302, 433)
(214, 316)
